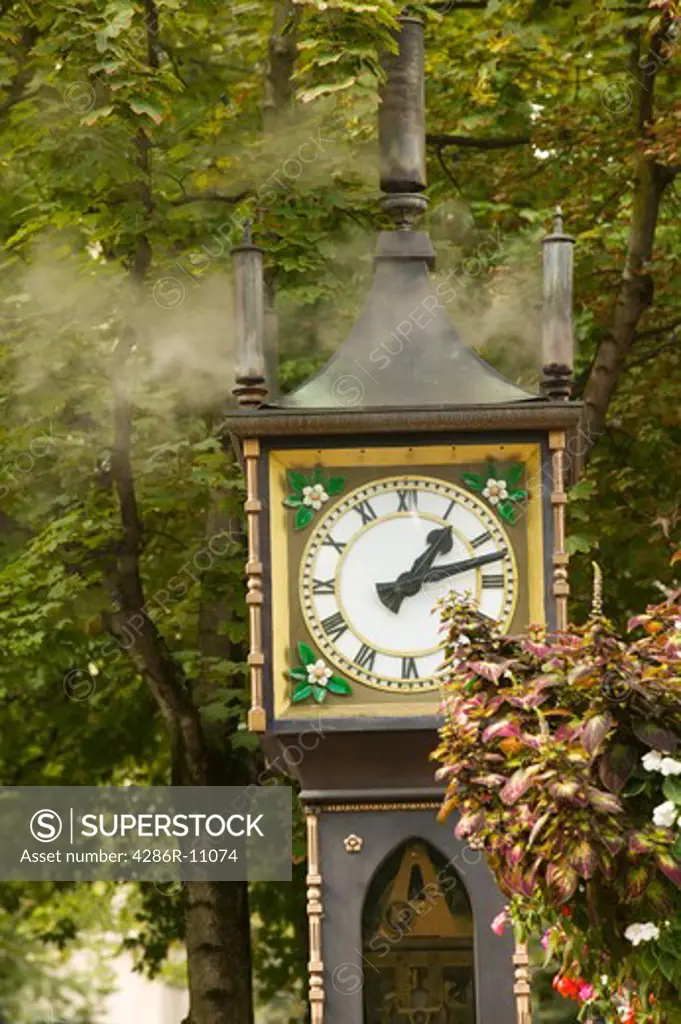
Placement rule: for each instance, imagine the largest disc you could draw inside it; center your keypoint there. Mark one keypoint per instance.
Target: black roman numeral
(335, 625)
(493, 581)
(365, 657)
(366, 511)
(407, 500)
(339, 545)
(477, 542)
(323, 586)
(409, 670)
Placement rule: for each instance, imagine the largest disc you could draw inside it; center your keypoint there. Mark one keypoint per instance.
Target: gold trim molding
(315, 911)
(424, 806)
(254, 596)
(561, 587)
(522, 988)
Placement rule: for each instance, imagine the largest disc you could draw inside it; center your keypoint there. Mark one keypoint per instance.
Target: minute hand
(455, 568)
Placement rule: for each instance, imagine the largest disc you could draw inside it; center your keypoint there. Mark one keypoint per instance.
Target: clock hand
(455, 568)
(408, 583)
(392, 594)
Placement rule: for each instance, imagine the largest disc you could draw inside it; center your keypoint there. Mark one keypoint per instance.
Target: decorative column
(254, 596)
(522, 988)
(561, 587)
(314, 916)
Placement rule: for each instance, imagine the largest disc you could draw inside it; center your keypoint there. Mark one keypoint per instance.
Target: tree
(132, 149)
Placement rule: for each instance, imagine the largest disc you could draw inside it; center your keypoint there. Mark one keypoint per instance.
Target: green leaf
(96, 115)
(307, 655)
(576, 542)
(141, 106)
(518, 494)
(319, 694)
(492, 471)
(304, 516)
(514, 474)
(676, 848)
(633, 787)
(301, 691)
(293, 502)
(671, 787)
(507, 512)
(318, 475)
(338, 685)
(299, 674)
(297, 480)
(216, 712)
(335, 485)
(473, 481)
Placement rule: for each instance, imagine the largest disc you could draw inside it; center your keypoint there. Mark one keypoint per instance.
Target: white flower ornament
(495, 491)
(319, 673)
(315, 496)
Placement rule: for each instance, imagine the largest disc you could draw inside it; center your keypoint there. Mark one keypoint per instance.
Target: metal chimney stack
(249, 315)
(557, 330)
(402, 125)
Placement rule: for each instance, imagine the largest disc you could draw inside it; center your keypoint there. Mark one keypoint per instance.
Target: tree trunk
(218, 953)
(634, 297)
(635, 294)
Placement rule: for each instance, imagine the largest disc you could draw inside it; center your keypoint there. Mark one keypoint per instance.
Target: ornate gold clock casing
(363, 542)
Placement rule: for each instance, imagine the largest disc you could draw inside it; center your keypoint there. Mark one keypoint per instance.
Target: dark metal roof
(404, 350)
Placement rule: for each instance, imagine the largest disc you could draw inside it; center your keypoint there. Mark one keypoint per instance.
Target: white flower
(495, 491)
(315, 496)
(665, 814)
(637, 933)
(652, 761)
(318, 674)
(670, 767)
(463, 639)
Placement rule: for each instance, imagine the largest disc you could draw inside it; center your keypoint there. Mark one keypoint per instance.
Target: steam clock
(407, 467)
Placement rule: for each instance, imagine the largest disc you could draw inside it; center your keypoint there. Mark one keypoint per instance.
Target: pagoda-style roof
(404, 351)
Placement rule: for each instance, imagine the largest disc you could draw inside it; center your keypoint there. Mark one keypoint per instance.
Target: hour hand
(410, 582)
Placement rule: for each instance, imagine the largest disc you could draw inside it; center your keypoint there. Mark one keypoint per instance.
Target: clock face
(376, 563)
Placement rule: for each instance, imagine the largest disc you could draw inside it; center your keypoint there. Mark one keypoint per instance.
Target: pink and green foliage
(559, 752)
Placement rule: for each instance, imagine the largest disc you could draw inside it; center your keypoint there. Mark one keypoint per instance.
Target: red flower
(568, 988)
(565, 911)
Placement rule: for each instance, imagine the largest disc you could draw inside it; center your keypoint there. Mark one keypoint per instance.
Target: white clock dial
(377, 561)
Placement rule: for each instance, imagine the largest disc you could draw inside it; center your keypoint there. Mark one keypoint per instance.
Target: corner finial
(248, 233)
(558, 220)
(597, 599)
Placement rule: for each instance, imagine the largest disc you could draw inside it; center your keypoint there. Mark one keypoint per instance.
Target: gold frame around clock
(414, 457)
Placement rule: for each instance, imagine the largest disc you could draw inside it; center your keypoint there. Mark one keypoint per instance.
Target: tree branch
(17, 85)
(281, 57)
(655, 332)
(210, 197)
(467, 142)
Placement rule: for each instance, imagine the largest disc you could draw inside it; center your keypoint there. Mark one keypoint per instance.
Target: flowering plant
(560, 755)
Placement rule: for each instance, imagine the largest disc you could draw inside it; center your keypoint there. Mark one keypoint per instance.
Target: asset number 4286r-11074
(177, 856)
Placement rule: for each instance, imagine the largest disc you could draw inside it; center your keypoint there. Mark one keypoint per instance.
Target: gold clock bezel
(407, 457)
(412, 481)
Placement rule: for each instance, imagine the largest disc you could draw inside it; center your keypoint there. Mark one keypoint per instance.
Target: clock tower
(406, 468)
